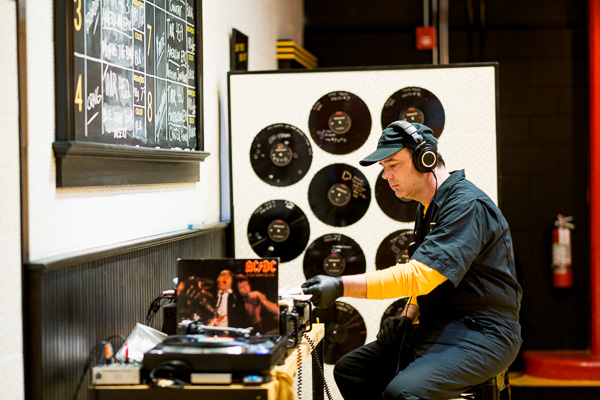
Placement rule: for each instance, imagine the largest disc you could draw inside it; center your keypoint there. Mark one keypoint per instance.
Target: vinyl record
(414, 104)
(201, 340)
(218, 341)
(339, 195)
(339, 122)
(394, 249)
(395, 309)
(334, 255)
(345, 330)
(278, 228)
(397, 208)
(280, 154)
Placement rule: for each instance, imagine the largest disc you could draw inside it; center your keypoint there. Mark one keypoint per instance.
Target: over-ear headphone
(170, 373)
(425, 156)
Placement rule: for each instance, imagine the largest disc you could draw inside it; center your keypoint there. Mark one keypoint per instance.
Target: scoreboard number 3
(77, 20)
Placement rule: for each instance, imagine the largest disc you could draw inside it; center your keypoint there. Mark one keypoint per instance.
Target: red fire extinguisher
(561, 252)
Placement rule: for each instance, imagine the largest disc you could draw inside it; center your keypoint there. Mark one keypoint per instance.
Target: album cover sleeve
(239, 293)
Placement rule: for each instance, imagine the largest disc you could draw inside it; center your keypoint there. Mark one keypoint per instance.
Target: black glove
(324, 289)
(393, 330)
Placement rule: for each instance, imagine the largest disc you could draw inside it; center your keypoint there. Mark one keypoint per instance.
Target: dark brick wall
(544, 136)
(543, 126)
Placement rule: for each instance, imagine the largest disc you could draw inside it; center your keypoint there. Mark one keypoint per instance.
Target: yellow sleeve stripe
(411, 279)
(413, 300)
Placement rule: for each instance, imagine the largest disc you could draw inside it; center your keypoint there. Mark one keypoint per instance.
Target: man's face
(224, 279)
(243, 287)
(401, 174)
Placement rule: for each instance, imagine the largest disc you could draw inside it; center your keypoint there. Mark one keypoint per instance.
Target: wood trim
(113, 151)
(85, 256)
(94, 164)
(74, 301)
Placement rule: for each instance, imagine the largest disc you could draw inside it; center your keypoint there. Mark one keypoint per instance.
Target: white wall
(263, 21)
(11, 338)
(64, 220)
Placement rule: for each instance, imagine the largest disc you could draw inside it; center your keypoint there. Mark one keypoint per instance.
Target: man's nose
(386, 174)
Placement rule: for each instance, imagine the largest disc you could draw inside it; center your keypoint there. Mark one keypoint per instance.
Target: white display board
(259, 100)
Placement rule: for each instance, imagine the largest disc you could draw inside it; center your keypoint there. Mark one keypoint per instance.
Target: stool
(495, 388)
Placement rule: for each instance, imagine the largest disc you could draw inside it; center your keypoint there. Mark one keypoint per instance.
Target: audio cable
(103, 347)
(316, 361)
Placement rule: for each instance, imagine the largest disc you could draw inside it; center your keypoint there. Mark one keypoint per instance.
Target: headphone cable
(436, 185)
(406, 325)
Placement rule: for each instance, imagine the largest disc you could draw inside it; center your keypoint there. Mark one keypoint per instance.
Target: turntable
(312, 343)
(222, 355)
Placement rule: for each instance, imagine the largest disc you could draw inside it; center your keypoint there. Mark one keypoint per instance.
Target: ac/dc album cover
(238, 293)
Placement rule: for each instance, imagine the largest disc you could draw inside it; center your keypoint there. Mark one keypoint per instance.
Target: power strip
(116, 374)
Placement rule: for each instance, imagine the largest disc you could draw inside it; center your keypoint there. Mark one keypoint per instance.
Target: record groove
(394, 249)
(280, 154)
(339, 122)
(345, 330)
(333, 255)
(399, 209)
(278, 228)
(339, 195)
(414, 104)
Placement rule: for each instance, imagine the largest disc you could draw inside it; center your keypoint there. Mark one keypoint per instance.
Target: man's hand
(255, 295)
(324, 289)
(393, 330)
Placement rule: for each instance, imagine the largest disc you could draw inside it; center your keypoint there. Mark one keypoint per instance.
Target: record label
(278, 228)
(280, 154)
(279, 231)
(333, 255)
(339, 122)
(394, 249)
(345, 330)
(414, 104)
(397, 208)
(339, 195)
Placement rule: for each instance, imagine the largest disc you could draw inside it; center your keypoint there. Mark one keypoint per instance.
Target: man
(461, 281)
(256, 303)
(229, 310)
(194, 302)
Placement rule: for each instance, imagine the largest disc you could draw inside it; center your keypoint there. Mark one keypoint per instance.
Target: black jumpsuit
(469, 326)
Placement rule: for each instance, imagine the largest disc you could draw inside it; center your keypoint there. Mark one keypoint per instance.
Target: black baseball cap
(394, 138)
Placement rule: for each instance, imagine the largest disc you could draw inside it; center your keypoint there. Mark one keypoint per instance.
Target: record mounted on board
(345, 330)
(334, 255)
(339, 122)
(395, 309)
(339, 194)
(278, 228)
(394, 249)
(397, 208)
(280, 154)
(414, 104)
